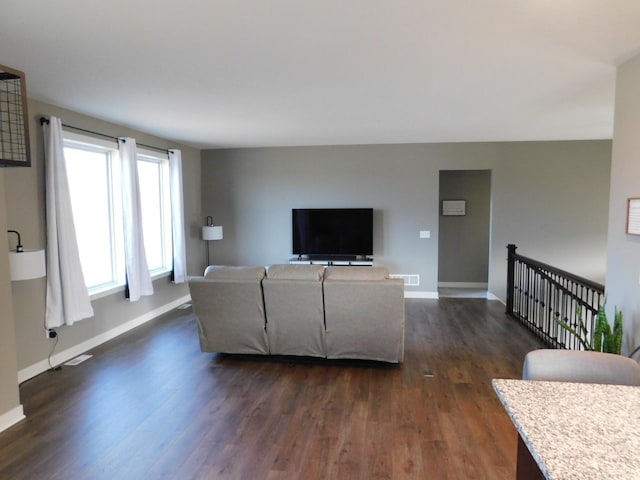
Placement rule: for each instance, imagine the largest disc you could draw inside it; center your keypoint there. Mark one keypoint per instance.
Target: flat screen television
(332, 232)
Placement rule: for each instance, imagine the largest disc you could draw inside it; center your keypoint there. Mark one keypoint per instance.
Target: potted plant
(604, 338)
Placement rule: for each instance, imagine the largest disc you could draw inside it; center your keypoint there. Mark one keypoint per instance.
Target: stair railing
(540, 295)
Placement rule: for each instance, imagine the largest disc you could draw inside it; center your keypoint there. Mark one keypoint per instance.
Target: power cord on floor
(51, 367)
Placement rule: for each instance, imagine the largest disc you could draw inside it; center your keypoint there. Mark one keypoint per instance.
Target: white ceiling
(233, 73)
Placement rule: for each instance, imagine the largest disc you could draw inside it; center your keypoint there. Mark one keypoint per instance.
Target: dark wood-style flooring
(150, 405)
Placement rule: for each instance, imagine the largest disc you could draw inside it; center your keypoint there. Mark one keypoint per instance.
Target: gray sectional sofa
(306, 310)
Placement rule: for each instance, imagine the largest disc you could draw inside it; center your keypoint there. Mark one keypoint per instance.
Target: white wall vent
(409, 280)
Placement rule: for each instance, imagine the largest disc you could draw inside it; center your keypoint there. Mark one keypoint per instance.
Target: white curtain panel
(138, 276)
(67, 296)
(177, 217)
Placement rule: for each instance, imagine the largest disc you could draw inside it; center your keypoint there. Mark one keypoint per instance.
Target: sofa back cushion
(295, 311)
(296, 272)
(220, 272)
(356, 273)
(364, 314)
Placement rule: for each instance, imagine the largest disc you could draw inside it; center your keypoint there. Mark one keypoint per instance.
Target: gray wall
(26, 213)
(463, 255)
(550, 198)
(553, 204)
(623, 259)
(9, 398)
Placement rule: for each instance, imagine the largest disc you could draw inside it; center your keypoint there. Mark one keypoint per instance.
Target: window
(94, 184)
(153, 177)
(97, 212)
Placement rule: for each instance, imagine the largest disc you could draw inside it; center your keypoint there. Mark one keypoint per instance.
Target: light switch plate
(425, 234)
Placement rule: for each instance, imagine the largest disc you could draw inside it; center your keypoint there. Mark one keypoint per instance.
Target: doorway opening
(464, 233)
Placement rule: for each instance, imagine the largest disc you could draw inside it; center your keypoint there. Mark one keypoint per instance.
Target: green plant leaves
(604, 339)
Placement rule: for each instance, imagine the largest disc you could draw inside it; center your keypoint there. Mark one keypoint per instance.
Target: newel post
(511, 262)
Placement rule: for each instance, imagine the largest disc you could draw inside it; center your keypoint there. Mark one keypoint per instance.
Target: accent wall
(549, 198)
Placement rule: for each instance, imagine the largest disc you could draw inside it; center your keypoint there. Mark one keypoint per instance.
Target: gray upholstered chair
(364, 314)
(295, 311)
(580, 367)
(229, 307)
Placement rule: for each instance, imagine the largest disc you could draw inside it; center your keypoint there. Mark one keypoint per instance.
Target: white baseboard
(12, 417)
(491, 296)
(463, 285)
(434, 295)
(411, 294)
(65, 355)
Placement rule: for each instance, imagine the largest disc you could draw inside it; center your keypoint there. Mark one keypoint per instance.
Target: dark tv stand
(337, 260)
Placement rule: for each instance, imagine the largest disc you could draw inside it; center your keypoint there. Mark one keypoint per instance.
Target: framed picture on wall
(633, 216)
(454, 207)
(14, 124)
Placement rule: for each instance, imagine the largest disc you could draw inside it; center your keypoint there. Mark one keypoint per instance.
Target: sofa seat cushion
(296, 272)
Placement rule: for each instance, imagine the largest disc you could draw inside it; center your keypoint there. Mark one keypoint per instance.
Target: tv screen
(332, 231)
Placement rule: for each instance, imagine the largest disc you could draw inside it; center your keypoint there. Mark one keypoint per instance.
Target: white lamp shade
(212, 233)
(27, 265)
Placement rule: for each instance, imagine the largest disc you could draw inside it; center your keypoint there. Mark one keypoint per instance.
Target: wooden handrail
(563, 273)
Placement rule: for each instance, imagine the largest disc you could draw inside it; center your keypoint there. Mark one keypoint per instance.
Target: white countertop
(576, 430)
